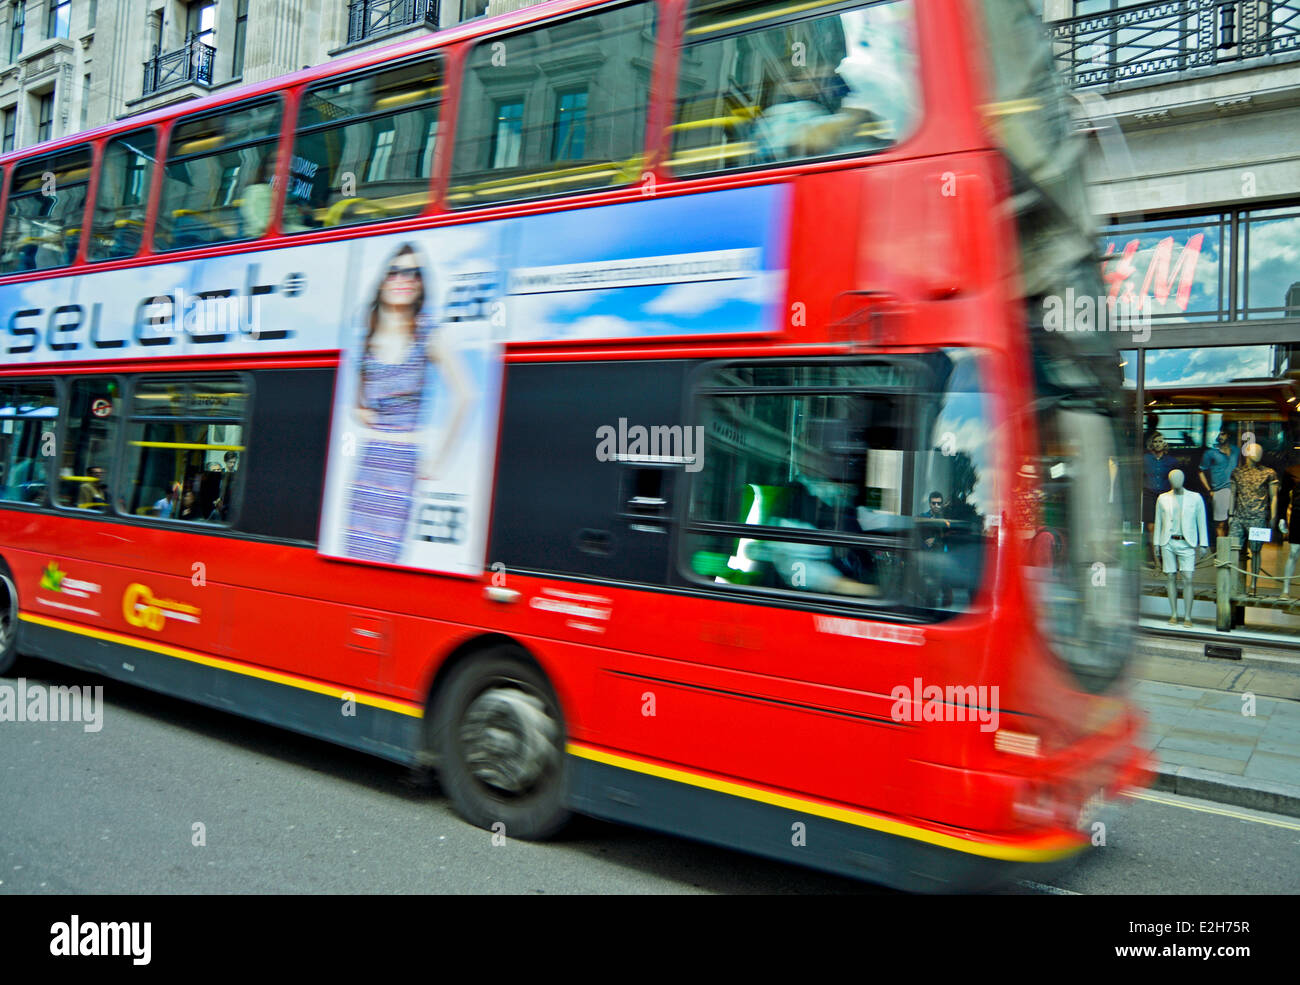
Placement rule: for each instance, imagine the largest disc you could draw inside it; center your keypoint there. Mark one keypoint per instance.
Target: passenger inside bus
(846, 86)
(259, 198)
(93, 495)
(828, 494)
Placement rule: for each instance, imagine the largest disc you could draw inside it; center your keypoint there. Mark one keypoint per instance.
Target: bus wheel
(8, 621)
(500, 741)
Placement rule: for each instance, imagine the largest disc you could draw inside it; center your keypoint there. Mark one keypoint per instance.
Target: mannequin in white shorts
(1181, 536)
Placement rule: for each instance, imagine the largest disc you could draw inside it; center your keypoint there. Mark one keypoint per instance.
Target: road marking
(1038, 887)
(1288, 825)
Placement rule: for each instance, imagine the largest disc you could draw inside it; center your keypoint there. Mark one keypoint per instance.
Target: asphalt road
(116, 812)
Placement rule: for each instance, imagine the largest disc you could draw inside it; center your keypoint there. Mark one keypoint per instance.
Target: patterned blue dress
(383, 487)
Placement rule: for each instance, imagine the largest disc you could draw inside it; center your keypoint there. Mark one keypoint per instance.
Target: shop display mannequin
(1254, 504)
(1181, 536)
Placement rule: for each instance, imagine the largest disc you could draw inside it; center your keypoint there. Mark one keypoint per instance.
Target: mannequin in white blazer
(1181, 535)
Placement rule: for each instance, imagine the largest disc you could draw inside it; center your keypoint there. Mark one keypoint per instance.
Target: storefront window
(1177, 265)
(1269, 269)
(1203, 409)
(1213, 366)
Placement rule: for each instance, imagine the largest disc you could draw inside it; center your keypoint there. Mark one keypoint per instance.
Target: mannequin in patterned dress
(402, 345)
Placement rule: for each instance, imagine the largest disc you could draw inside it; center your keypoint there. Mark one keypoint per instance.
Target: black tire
(499, 735)
(8, 622)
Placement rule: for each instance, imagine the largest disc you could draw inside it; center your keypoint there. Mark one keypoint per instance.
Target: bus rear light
(1016, 743)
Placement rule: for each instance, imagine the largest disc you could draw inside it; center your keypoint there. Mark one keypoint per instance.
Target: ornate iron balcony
(371, 18)
(193, 63)
(1157, 38)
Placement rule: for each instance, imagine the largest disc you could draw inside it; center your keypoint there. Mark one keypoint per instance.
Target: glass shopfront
(1217, 372)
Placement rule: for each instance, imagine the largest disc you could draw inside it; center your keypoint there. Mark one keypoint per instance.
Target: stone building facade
(69, 65)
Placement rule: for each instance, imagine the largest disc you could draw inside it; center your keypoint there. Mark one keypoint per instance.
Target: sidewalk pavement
(1205, 739)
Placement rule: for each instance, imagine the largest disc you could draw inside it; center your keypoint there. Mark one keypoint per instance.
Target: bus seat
(761, 505)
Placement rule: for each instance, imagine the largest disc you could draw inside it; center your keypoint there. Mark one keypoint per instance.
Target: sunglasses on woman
(397, 271)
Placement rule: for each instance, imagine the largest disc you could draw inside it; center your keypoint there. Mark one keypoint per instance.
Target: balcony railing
(1157, 38)
(371, 18)
(192, 63)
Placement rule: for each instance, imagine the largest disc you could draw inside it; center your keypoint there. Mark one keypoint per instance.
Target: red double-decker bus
(639, 408)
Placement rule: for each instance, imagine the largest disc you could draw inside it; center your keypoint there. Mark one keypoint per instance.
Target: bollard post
(1223, 582)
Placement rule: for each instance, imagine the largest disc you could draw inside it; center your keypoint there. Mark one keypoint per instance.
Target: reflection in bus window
(874, 482)
(185, 443)
(560, 108)
(85, 475)
(123, 196)
(47, 201)
(28, 417)
(364, 149)
(768, 83)
(217, 185)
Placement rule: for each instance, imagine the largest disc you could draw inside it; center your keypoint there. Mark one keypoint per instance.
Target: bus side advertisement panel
(419, 318)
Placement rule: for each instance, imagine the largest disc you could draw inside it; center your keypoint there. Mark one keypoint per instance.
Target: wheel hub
(508, 739)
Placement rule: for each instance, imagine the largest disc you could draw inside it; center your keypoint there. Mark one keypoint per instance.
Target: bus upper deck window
(122, 199)
(47, 202)
(364, 148)
(217, 186)
(768, 83)
(556, 109)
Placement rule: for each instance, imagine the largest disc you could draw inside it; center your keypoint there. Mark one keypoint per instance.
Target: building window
(380, 154)
(200, 22)
(1268, 266)
(60, 16)
(430, 145)
(45, 117)
(85, 99)
(470, 9)
(17, 18)
(570, 138)
(1215, 267)
(94, 13)
(507, 135)
(10, 129)
(241, 33)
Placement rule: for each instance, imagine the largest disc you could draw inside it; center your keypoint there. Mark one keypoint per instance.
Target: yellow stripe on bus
(1052, 847)
(301, 683)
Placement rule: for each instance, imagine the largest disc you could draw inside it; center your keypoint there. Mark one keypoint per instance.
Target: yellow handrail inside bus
(187, 445)
(556, 176)
(739, 115)
(715, 151)
(794, 8)
(335, 212)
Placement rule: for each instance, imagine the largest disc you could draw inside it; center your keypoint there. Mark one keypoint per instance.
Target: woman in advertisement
(394, 393)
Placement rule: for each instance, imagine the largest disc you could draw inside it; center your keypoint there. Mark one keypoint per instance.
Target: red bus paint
(801, 726)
